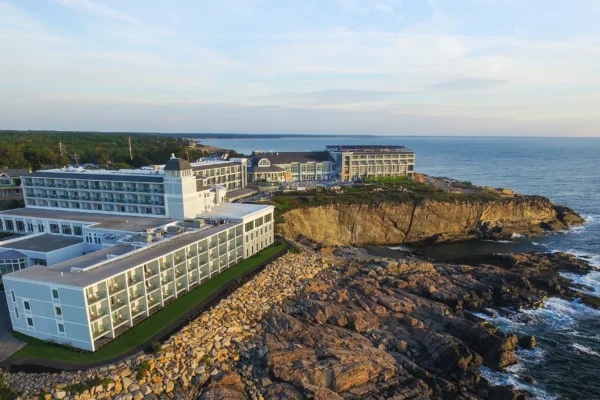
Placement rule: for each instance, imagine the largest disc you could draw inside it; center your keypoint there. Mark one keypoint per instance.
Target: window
(249, 226)
(58, 311)
(26, 305)
(12, 293)
(17, 312)
(61, 328)
(55, 293)
(268, 218)
(30, 321)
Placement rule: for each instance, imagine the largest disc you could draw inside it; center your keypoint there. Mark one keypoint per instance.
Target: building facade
(343, 163)
(132, 192)
(290, 167)
(84, 277)
(363, 162)
(10, 183)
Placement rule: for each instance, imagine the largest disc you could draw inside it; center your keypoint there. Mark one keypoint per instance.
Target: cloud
(334, 96)
(466, 84)
(384, 7)
(93, 7)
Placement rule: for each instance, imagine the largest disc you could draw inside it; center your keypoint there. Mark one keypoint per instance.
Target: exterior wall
(107, 308)
(360, 165)
(299, 171)
(230, 176)
(258, 232)
(31, 225)
(73, 316)
(130, 197)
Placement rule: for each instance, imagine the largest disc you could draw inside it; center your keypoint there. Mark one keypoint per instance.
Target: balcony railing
(94, 315)
(119, 320)
(92, 298)
(115, 288)
(100, 332)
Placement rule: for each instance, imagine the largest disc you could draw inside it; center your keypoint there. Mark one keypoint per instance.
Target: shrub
(295, 250)
(6, 392)
(156, 347)
(142, 370)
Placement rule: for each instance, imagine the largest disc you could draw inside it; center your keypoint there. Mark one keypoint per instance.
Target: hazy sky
(389, 67)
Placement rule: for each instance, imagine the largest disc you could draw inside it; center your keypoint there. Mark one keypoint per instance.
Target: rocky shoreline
(338, 324)
(425, 221)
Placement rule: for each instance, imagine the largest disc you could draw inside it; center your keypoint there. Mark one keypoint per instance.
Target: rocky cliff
(395, 223)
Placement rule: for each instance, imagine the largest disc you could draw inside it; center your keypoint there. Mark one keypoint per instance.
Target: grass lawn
(142, 332)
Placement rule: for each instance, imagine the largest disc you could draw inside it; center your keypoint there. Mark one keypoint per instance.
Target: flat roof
(234, 210)
(102, 221)
(100, 175)
(43, 243)
(61, 273)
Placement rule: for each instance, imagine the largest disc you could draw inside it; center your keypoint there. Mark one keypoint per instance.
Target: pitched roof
(15, 172)
(11, 255)
(177, 164)
(292, 156)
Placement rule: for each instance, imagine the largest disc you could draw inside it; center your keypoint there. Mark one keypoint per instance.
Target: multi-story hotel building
(344, 163)
(363, 162)
(148, 191)
(84, 276)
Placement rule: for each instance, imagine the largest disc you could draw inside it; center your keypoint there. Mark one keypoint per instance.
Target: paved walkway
(8, 344)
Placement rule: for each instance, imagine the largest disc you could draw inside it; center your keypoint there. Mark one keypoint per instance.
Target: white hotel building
(102, 251)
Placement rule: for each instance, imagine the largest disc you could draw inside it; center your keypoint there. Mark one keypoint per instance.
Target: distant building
(10, 183)
(361, 162)
(290, 166)
(100, 251)
(344, 163)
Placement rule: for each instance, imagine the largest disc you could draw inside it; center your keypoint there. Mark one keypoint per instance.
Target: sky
(376, 67)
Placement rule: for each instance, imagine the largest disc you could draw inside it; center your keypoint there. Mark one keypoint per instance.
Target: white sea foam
(591, 279)
(497, 378)
(585, 350)
(518, 235)
(399, 248)
(498, 241)
(561, 314)
(539, 244)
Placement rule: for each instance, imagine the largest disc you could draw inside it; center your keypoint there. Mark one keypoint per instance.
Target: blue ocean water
(567, 170)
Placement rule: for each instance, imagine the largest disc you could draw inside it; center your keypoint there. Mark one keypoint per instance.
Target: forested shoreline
(42, 149)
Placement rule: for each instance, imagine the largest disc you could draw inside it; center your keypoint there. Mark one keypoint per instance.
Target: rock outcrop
(399, 329)
(395, 223)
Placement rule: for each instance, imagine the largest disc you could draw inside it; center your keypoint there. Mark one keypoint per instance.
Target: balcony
(151, 288)
(191, 255)
(135, 296)
(119, 320)
(135, 311)
(95, 315)
(134, 279)
(103, 330)
(152, 302)
(116, 288)
(93, 298)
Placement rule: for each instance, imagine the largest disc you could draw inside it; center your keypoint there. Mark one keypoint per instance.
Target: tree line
(44, 149)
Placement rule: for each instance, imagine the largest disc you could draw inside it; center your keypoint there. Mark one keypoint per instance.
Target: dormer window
(264, 163)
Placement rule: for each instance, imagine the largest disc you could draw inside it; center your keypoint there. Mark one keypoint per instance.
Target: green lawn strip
(143, 331)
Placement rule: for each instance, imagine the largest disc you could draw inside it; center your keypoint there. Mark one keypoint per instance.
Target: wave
(498, 241)
(585, 350)
(539, 244)
(518, 235)
(497, 378)
(591, 280)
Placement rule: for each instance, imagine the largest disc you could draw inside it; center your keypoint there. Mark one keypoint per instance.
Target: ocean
(567, 170)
